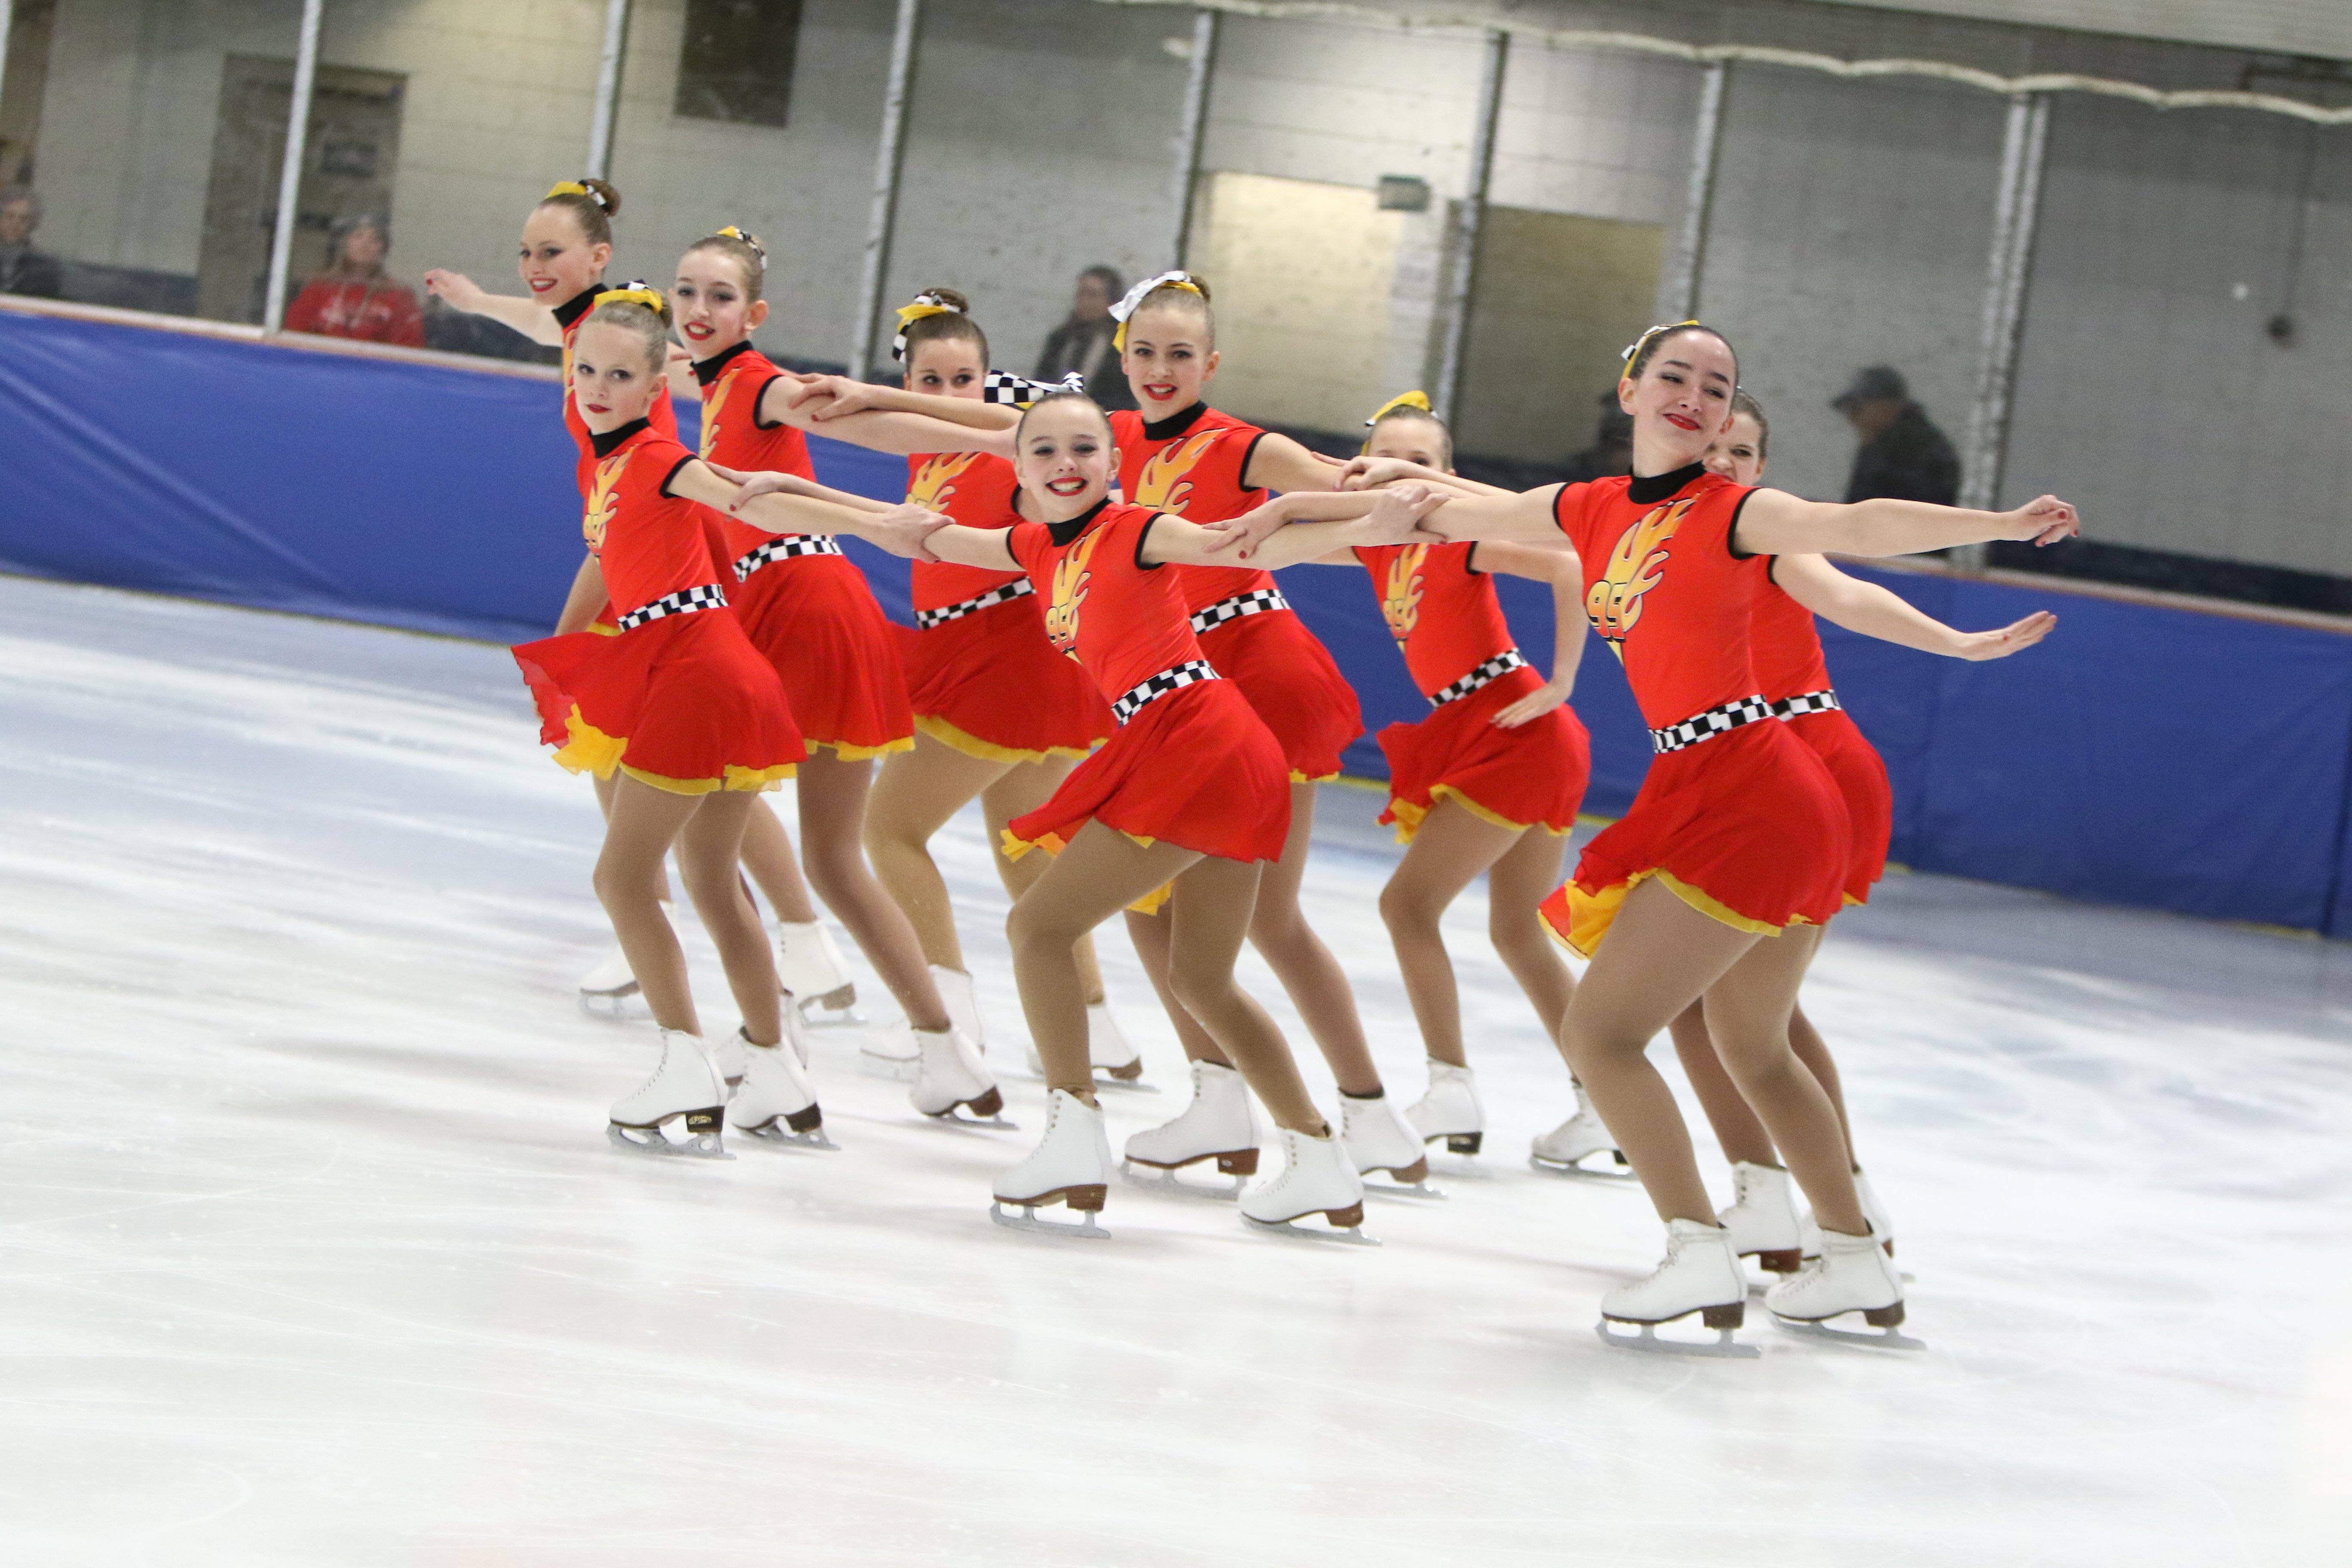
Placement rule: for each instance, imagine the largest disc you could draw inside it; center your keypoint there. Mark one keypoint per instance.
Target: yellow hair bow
(731, 232)
(644, 294)
(1142, 291)
(1635, 346)
(924, 305)
(1416, 400)
(566, 188)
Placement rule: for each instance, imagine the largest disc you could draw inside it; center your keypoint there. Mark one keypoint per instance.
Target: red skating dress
(662, 415)
(1737, 815)
(676, 695)
(980, 671)
(1795, 678)
(1191, 464)
(805, 604)
(1442, 612)
(1191, 763)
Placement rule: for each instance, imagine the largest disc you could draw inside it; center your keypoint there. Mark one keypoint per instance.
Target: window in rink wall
(736, 62)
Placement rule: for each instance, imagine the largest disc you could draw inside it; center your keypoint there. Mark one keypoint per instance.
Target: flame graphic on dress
(1164, 484)
(1401, 604)
(714, 400)
(934, 483)
(1637, 565)
(1069, 596)
(603, 500)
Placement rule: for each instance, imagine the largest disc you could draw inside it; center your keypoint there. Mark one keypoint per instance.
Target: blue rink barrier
(2148, 754)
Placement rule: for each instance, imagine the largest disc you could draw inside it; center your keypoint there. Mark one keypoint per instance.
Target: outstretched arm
(823, 399)
(779, 507)
(1558, 565)
(529, 317)
(1280, 463)
(1774, 522)
(1878, 612)
(905, 433)
(753, 484)
(1377, 517)
(587, 596)
(1362, 473)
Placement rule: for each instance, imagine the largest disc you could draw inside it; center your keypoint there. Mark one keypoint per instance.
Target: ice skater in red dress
(1190, 795)
(1792, 675)
(688, 722)
(1739, 833)
(809, 610)
(566, 247)
(1489, 783)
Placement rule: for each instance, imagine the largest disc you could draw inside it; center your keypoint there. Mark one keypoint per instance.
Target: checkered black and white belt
(1257, 602)
(1145, 693)
(1804, 702)
(1494, 670)
(1004, 594)
(1707, 726)
(686, 601)
(785, 550)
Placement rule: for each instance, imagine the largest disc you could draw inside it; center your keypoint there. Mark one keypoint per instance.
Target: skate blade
(1162, 1179)
(606, 1003)
(964, 1116)
(1579, 1173)
(1419, 1192)
(649, 1142)
(1725, 1347)
(815, 1018)
(1886, 1339)
(1085, 1230)
(782, 1135)
(1353, 1236)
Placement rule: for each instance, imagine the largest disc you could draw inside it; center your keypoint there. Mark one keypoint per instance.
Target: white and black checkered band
(1257, 602)
(1135, 699)
(686, 601)
(1007, 390)
(927, 619)
(1819, 701)
(785, 550)
(1502, 664)
(1707, 726)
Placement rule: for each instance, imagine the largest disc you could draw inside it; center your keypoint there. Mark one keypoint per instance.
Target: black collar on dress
(611, 441)
(1063, 533)
(706, 370)
(1175, 425)
(1650, 490)
(579, 305)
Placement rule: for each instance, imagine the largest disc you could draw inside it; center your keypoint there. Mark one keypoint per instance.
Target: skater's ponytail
(744, 249)
(594, 203)
(1170, 290)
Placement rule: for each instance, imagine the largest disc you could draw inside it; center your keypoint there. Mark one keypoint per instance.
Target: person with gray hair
(355, 296)
(23, 269)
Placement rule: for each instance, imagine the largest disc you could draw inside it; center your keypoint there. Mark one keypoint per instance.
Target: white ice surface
(313, 1252)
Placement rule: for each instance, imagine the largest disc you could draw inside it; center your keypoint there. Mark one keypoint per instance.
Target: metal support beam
(1679, 289)
(2017, 212)
(1189, 134)
(290, 173)
(887, 160)
(608, 89)
(1463, 262)
(7, 24)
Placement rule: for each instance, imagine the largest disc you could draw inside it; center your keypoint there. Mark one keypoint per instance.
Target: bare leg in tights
(1311, 976)
(1208, 917)
(708, 831)
(1737, 1129)
(833, 813)
(1660, 956)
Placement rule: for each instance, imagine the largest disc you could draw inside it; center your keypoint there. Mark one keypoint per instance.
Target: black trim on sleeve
(1240, 475)
(1559, 522)
(706, 370)
(1067, 532)
(1772, 564)
(1652, 489)
(1732, 530)
(1470, 559)
(1175, 425)
(758, 396)
(1142, 534)
(568, 314)
(673, 468)
(611, 441)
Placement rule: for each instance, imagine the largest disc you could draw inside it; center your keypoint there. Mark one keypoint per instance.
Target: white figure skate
(1070, 1166)
(606, 986)
(1852, 1274)
(685, 1084)
(963, 1004)
(728, 1057)
(1117, 1062)
(1762, 1218)
(777, 1101)
(1871, 1210)
(809, 965)
(950, 1076)
(1379, 1140)
(1316, 1178)
(1450, 1109)
(1216, 1126)
(1700, 1274)
(1563, 1151)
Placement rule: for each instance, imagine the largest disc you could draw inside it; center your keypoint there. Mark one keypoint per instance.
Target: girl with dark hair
(1738, 834)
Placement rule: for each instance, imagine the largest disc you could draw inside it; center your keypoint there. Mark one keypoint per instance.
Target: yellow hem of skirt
(971, 745)
(1589, 915)
(588, 749)
(1410, 816)
(849, 753)
(1013, 849)
(1298, 777)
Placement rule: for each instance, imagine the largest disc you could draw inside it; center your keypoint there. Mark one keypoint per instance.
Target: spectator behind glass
(355, 298)
(1083, 343)
(1903, 454)
(23, 269)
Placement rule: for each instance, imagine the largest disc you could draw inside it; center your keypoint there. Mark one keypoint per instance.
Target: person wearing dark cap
(1083, 343)
(1903, 454)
